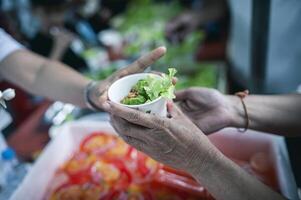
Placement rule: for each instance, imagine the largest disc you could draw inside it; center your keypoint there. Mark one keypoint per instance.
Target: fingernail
(169, 106)
(163, 48)
(174, 80)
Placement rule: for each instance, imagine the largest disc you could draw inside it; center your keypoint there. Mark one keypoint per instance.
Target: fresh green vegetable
(204, 76)
(151, 88)
(144, 29)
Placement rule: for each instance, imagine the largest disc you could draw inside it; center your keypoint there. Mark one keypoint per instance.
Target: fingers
(174, 79)
(130, 133)
(142, 63)
(137, 117)
(187, 94)
(124, 128)
(181, 95)
(138, 66)
(173, 110)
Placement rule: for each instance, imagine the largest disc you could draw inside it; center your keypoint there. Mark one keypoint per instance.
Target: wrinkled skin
(174, 141)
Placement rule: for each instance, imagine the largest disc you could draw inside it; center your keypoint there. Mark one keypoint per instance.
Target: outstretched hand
(98, 95)
(209, 109)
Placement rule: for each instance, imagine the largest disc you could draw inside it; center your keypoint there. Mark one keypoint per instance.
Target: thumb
(173, 110)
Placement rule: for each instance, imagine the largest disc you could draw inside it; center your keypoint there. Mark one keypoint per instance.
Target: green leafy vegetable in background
(144, 30)
(206, 76)
(151, 88)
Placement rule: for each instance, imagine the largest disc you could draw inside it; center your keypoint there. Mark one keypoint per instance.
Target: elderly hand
(98, 92)
(174, 141)
(177, 142)
(208, 108)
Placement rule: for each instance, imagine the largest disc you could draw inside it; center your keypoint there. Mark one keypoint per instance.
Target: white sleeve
(7, 45)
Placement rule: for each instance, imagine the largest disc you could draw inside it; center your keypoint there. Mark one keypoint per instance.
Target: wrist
(201, 156)
(237, 112)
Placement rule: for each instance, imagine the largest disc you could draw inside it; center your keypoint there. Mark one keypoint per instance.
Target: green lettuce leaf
(134, 100)
(151, 88)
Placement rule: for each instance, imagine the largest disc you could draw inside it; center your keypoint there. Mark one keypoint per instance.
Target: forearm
(279, 114)
(225, 180)
(43, 77)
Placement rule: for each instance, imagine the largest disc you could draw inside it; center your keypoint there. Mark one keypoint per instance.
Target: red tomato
(164, 192)
(106, 168)
(121, 149)
(78, 167)
(105, 145)
(112, 173)
(178, 172)
(98, 143)
(145, 168)
(179, 183)
(133, 192)
(85, 191)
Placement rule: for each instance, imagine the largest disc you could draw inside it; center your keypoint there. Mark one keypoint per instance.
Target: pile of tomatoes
(106, 168)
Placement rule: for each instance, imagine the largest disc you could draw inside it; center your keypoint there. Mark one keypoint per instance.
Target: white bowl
(121, 88)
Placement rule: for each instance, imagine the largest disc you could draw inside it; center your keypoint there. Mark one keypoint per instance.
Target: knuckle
(162, 123)
(123, 72)
(159, 136)
(156, 133)
(141, 63)
(153, 57)
(134, 116)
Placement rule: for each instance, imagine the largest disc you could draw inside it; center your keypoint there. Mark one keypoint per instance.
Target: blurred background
(211, 44)
(97, 37)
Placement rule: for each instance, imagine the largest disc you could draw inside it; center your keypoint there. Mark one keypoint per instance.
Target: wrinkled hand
(173, 141)
(207, 108)
(179, 27)
(98, 95)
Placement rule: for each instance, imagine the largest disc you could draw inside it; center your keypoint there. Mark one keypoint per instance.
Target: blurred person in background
(283, 58)
(9, 17)
(52, 39)
(49, 78)
(283, 71)
(99, 12)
